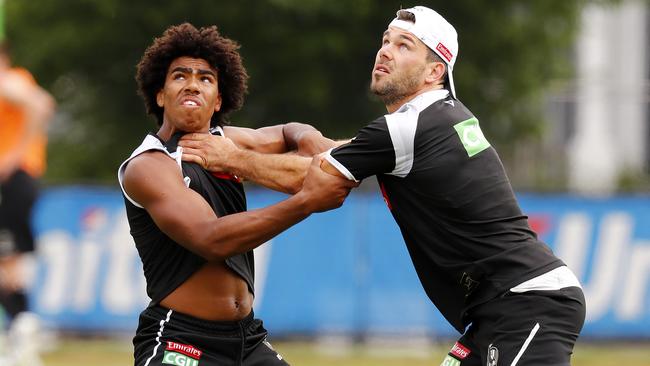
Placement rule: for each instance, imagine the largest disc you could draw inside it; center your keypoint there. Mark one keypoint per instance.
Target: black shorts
(166, 337)
(17, 197)
(530, 328)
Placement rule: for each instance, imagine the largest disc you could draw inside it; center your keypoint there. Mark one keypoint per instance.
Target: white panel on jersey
(149, 143)
(555, 279)
(402, 125)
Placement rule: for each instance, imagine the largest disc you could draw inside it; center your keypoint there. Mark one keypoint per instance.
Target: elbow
(210, 248)
(216, 253)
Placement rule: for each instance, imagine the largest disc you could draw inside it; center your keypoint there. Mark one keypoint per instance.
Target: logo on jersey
(471, 136)
(460, 351)
(450, 361)
(492, 356)
(468, 282)
(181, 354)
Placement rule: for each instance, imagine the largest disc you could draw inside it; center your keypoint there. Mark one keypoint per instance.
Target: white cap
(435, 32)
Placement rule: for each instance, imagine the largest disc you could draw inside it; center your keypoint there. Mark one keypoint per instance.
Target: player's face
(400, 66)
(190, 95)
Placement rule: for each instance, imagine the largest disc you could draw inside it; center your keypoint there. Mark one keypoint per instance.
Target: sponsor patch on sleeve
(471, 136)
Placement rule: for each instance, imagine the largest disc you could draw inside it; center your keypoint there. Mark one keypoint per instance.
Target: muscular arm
(301, 138)
(281, 172)
(154, 181)
(256, 155)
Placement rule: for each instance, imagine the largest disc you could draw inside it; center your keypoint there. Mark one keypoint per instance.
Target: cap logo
(444, 52)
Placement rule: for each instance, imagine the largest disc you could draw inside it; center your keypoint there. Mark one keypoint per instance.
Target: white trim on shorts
(523, 348)
(162, 327)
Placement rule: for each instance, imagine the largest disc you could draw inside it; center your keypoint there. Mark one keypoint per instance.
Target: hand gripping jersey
(166, 263)
(448, 192)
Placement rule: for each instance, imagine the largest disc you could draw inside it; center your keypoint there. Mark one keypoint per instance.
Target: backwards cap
(435, 32)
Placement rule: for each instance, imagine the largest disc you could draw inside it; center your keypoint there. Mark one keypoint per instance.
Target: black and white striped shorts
(522, 329)
(166, 337)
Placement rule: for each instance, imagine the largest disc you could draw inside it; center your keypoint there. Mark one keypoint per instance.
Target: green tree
(308, 61)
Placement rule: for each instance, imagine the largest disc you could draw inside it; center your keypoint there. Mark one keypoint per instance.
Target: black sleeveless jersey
(450, 196)
(166, 263)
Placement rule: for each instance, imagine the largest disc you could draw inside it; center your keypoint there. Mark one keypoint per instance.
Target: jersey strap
(149, 143)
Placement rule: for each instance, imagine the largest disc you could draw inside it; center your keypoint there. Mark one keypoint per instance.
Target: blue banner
(341, 272)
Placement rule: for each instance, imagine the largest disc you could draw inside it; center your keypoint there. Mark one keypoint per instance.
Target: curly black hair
(205, 43)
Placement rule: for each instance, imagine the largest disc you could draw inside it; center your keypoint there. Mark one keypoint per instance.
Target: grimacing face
(190, 95)
(400, 66)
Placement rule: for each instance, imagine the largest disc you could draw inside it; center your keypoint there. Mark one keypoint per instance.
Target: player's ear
(217, 104)
(435, 71)
(159, 99)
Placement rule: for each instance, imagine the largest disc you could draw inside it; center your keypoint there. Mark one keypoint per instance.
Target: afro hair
(206, 43)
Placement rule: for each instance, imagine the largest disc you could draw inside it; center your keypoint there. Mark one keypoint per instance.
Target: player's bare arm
(280, 172)
(154, 181)
(256, 155)
(296, 137)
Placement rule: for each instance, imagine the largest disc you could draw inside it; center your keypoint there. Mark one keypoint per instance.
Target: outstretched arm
(300, 138)
(256, 155)
(280, 172)
(154, 181)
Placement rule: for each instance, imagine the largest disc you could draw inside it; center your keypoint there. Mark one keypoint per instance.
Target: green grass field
(110, 352)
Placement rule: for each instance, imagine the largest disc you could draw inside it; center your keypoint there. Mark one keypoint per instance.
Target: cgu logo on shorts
(178, 359)
(181, 354)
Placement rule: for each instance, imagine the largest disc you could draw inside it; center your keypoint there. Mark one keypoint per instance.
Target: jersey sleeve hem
(340, 167)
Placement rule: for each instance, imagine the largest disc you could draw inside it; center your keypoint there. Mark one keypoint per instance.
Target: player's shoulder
(148, 174)
(447, 111)
(148, 159)
(149, 163)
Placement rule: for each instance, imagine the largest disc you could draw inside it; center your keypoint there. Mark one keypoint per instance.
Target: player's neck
(391, 108)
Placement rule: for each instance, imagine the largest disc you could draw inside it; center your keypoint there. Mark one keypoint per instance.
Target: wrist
(234, 158)
(302, 201)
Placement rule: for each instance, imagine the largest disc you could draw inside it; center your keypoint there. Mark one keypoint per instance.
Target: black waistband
(188, 321)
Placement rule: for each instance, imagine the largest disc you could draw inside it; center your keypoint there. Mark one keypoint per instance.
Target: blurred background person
(25, 109)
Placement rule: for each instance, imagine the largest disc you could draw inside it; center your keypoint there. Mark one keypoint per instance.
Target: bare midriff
(214, 293)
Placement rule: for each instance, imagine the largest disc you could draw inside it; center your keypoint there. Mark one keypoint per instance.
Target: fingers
(195, 137)
(188, 141)
(326, 191)
(194, 158)
(191, 151)
(196, 140)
